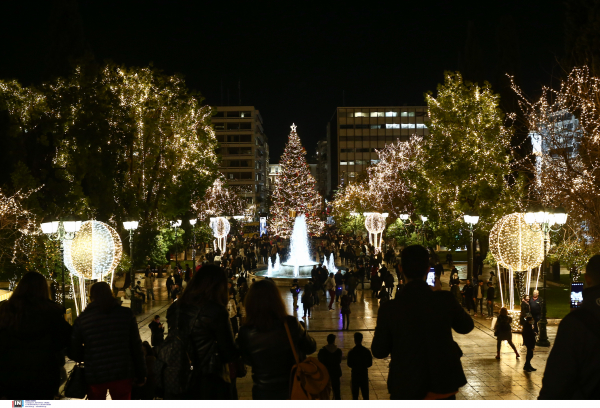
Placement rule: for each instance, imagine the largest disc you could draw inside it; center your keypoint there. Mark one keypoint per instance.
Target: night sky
(297, 61)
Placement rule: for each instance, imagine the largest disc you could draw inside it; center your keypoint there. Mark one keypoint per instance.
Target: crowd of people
(231, 323)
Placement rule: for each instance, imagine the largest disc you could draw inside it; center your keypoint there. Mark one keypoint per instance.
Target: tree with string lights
(465, 164)
(295, 192)
(564, 125)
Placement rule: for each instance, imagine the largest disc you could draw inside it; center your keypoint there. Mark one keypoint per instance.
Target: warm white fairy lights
(219, 200)
(295, 191)
(221, 228)
(517, 247)
(95, 251)
(375, 224)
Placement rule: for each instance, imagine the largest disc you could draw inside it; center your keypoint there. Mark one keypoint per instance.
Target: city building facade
(244, 152)
(323, 165)
(355, 133)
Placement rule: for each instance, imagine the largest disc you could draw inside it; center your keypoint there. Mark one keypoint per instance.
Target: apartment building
(354, 134)
(244, 152)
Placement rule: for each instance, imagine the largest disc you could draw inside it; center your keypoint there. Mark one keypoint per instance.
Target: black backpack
(173, 366)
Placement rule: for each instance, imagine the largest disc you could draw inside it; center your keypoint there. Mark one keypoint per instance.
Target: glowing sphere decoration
(375, 223)
(220, 227)
(515, 245)
(95, 251)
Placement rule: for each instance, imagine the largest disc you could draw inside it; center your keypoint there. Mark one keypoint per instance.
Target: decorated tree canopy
(295, 192)
(219, 200)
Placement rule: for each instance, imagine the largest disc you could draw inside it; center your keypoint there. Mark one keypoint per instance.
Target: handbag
(76, 386)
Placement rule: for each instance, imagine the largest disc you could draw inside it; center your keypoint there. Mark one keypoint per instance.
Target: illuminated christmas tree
(294, 192)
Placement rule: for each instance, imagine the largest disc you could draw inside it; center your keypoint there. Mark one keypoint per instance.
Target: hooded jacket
(572, 368)
(331, 357)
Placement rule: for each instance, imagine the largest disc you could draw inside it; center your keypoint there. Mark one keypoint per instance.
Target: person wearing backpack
(572, 366)
(331, 357)
(264, 343)
(200, 316)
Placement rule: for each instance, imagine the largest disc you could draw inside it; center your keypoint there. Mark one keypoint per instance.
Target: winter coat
(359, 360)
(32, 353)
(158, 333)
(232, 308)
(329, 284)
(572, 366)
(535, 306)
(503, 329)
(270, 355)
(432, 363)
(491, 293)
(108, 343)
(345, 302)
(331, 357)
(528, 336)
(211, 334)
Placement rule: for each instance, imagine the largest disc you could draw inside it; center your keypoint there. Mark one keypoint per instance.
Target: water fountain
(299, 263)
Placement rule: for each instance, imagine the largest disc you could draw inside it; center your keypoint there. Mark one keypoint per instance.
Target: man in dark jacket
(535, 308)
(431, 368)
(331, 357)
(572, 367)
(359, 360)
(170, 283)
(157, 332)
(112, 353)
(491, 293)
(467, 293)
(529, 342)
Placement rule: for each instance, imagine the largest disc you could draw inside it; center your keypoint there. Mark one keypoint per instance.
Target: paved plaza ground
(487, 377)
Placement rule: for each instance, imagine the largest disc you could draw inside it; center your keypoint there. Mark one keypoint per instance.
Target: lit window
(391, 114)
(407, 114)
(343, 163)
(393, 126)
(360, 115)
(350, 163)
(351, 174)
(421, 126)
(374, 161)
(377, 114)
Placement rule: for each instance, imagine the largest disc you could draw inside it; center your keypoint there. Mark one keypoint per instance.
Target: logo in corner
(18, 403)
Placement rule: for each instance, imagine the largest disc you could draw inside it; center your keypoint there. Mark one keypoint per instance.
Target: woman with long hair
(107, 340)
(33, 338)
(264, 343)
(503, 331)
(202, 312)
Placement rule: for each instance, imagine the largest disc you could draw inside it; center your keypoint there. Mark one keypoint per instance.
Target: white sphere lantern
(95, 251)
(375, 224)
(517, 247)
(221, 228)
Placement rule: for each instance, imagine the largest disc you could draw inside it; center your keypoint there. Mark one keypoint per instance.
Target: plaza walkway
(487, 377)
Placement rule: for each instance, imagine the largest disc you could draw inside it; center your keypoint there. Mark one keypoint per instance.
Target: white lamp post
(471, 219)
(424, 220)
(61, 230)
(176, 224)
(193, 224)
(545, 220)
(131, 226)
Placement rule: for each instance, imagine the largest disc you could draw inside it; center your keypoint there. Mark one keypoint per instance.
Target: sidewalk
(487, 377)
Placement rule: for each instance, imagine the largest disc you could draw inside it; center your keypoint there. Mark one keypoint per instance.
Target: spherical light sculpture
(95, 251)
(517, 247)
(221, 228)
(375, 224)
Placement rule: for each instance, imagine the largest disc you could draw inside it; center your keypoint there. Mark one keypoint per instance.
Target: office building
(354, 134)
(244, 152)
